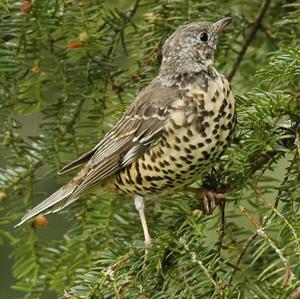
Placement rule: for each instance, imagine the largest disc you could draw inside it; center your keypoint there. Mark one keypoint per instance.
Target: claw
(206, 206)
(210, 199)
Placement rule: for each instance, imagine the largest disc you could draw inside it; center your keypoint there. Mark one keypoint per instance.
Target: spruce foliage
(68, 70)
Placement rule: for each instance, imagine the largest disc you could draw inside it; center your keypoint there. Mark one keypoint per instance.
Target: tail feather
(63, 205)
(64, 192)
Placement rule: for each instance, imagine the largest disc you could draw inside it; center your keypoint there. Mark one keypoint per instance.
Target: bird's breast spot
(178, 104)
(178, 117)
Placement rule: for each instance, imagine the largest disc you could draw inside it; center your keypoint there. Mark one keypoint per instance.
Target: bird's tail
(63, 194)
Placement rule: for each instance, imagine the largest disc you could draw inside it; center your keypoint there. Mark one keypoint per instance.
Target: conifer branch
(133, 8)
(82, 86)
(260, 231)
(252, 238)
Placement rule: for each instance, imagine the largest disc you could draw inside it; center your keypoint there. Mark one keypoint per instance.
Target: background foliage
(68, 69)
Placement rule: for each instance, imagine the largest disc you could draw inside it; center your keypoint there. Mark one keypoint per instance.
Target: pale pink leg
(140, 206)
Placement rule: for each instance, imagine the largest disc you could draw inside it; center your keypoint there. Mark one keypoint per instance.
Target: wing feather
(141, 127)
(76, 163)
(56, 197)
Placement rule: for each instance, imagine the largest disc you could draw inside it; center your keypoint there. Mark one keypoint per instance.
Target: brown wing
(78, 162)
(141, 127)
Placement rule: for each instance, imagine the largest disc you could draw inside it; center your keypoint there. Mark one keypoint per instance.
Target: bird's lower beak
(222, 24)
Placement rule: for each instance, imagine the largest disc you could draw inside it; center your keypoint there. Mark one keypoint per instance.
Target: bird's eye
(204, 37)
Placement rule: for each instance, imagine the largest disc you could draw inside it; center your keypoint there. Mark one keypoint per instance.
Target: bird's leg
(210, 199)
(140, 206)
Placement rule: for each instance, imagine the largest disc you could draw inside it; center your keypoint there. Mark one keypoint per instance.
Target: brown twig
(197, 260)
(39, 162)
(295, 294)
(262, 160)
(129, 13)
(260, 195)
(69, 127)
(287, 275)
(254, 236)
(221, 233)
(297, 142)
(121, 261)
(261, 232)
(241, 255)
(132, 9)
(269, 37)
(222, 225)
(250, 37)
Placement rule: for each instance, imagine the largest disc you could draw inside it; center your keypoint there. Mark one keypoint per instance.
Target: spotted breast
(200, 117)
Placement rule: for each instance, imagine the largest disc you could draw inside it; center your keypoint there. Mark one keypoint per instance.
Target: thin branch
(262, 160)
(249, 38)
(241, 255)
(221, 232)
(261, 232)
(24, 175)
(269, 37)
(197, 260)
(254, 236)
(295, 294)
(260, 195)
(222, 206)
(297, 142)
(69, 127)
(129, 13)
(132, 9)
(39, 161)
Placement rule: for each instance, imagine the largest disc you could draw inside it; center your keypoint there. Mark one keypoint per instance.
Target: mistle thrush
(174, 131)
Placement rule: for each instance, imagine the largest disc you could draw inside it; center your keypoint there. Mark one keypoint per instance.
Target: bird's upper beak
(222, 24)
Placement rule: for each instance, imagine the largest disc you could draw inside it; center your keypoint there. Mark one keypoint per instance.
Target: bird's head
(191, 48)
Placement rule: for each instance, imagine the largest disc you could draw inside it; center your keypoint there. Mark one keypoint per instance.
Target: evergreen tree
(68, 70)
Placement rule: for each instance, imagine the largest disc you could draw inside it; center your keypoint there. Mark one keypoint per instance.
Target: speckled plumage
(173, 132)
(198, 125)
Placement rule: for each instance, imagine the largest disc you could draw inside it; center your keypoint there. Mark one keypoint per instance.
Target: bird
(173, 132)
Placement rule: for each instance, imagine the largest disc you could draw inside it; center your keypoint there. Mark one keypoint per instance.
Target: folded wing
(141, 127)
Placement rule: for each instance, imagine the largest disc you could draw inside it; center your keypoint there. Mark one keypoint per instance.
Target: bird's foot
(148, 242)
(210, 199)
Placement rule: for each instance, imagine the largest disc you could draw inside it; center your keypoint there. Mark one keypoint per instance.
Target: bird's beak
(222, 24)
